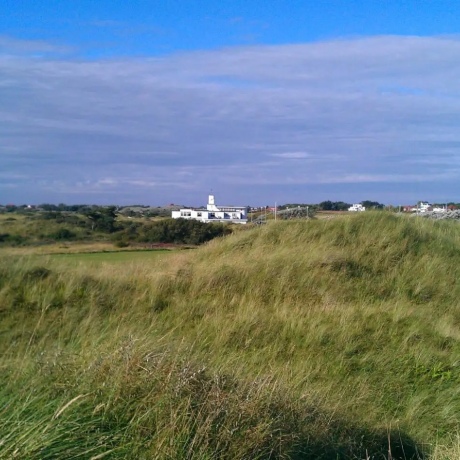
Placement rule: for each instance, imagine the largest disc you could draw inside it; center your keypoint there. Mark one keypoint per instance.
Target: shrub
(63, 234)
(177, 231)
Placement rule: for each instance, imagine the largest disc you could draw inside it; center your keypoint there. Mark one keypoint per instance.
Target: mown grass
(321, 339)
(116, 257)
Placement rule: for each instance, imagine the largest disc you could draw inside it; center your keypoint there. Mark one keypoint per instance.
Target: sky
(261, 102)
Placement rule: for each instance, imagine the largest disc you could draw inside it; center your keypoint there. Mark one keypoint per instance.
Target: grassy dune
(321, 339)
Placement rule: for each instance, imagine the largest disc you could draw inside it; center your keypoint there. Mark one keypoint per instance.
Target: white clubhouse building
(213, 213)
(357, 208)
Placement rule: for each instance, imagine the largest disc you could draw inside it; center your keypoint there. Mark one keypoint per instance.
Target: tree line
(329, 205)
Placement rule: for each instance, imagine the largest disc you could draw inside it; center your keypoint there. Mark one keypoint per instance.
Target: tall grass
(320, 339)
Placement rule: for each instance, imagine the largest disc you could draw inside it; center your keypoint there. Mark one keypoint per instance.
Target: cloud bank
(367, 118)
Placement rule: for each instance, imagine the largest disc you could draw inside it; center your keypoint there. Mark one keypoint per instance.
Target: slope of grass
(368, 304)
(320, 339)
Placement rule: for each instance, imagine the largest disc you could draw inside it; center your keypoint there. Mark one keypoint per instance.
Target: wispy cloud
(292, 155)
(371, 110)
(12, 46)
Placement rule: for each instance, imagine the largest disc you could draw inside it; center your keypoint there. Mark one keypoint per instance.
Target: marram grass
(320, 339)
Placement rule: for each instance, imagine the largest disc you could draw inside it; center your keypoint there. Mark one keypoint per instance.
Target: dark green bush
(4, 237)
(177, 231)
(13, 240)
(63, 234)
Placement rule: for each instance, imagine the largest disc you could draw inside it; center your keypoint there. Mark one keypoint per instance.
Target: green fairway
(96, 258)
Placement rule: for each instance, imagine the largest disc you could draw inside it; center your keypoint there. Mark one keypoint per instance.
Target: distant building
(423, 207)
(426, 207)
(357, 208)
(213, 213)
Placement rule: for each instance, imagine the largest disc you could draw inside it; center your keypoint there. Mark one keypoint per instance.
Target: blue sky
(289, 101)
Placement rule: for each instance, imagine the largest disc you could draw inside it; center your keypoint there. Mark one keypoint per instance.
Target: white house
(426, 207)
(357, 208)
(213, 213)
(423, 207)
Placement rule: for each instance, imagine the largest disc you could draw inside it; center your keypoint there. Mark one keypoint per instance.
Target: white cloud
(247, 121)
(12, 46)
(291, 155)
